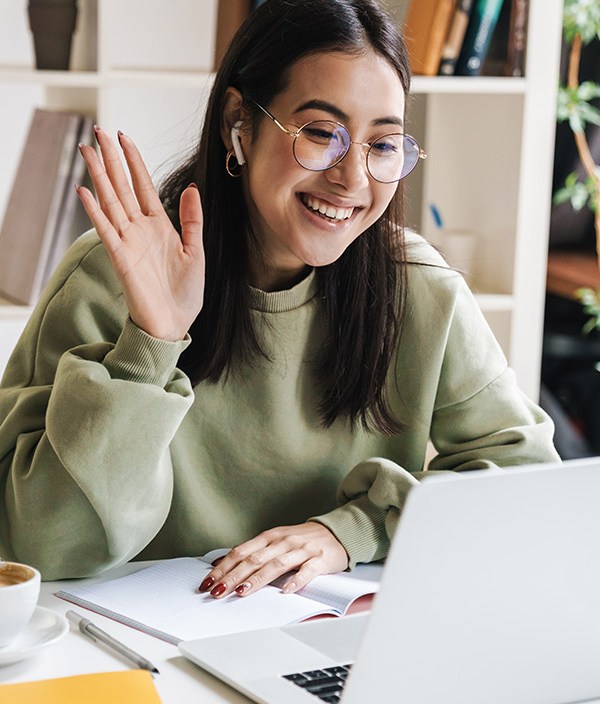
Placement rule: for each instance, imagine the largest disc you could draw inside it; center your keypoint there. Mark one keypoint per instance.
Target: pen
(91, 631)
(437, 218)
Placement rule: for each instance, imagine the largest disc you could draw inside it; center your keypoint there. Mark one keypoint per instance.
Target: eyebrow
(316, 104)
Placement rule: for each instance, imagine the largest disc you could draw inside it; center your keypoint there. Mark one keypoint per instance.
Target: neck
(268, 278)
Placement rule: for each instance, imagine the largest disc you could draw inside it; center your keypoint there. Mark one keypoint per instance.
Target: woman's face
(365, 94)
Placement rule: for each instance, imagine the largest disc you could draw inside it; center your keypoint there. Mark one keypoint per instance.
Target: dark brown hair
(363, 292)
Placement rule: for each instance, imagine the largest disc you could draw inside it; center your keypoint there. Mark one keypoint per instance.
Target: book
(38, 224)
(426, 25)
(230, 16)
(506, 53)
(131, 686)
(495, 58)
(163, 600)
(455, 37)
(73, 219)
(517, 38)
(482, 23)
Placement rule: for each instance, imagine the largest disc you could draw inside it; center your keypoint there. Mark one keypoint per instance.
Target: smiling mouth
(326, 210)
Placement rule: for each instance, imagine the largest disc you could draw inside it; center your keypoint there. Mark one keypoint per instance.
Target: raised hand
(306, 550)
(161, 273)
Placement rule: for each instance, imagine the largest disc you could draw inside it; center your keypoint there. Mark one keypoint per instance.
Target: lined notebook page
(338, 591)
(163, 600)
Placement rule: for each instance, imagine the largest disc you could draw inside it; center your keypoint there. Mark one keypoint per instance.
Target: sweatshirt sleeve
(89, 404)
(459, 394)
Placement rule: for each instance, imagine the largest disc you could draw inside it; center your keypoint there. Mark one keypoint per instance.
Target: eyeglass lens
(321, 145)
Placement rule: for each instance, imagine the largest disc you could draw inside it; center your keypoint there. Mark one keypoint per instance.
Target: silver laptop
(490, 595)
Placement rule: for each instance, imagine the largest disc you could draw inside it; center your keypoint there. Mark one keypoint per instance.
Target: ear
(231, 122)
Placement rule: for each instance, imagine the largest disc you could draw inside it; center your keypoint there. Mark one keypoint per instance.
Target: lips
(326, 209)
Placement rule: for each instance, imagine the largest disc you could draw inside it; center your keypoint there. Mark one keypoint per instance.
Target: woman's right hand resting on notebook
(161, 273)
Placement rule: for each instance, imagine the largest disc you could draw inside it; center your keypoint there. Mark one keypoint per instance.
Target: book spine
(456, 35)
(517, 38)
(477, 39)
(71, 214)
(425, 28)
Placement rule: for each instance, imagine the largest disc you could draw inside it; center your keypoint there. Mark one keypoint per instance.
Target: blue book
(482, 24)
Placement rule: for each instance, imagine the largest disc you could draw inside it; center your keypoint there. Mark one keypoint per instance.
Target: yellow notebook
(127, 687)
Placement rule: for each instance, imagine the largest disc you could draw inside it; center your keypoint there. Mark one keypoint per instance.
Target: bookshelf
(489, 139)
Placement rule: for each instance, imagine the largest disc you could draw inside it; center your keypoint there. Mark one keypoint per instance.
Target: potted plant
(581, 25)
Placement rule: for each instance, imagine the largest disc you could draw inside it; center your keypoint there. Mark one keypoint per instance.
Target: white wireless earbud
(237, 145)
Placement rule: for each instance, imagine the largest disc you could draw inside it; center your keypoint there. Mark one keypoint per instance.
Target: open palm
(161, 273)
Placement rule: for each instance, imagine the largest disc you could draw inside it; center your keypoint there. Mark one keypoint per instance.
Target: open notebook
(163, 600)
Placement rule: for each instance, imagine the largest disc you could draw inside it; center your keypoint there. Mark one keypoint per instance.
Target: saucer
(44, 628)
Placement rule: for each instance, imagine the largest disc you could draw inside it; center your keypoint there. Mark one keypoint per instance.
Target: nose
(351, 172)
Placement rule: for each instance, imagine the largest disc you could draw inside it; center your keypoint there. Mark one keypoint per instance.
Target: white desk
(179, 680)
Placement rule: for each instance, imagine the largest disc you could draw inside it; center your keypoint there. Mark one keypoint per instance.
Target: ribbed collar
(283, 301)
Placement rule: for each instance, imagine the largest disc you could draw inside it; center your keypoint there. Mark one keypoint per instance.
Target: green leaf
(577, 192)
(581, 17)
(588, 113)
(588, 90)
(573, 105)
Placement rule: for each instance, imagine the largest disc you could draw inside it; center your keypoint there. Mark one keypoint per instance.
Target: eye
(387, 146)
(321, 133)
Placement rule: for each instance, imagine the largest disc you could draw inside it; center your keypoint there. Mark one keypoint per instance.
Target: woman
(207, 373)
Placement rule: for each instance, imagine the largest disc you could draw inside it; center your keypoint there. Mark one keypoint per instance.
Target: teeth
(326, 209)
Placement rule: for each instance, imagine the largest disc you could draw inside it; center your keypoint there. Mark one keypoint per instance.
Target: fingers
(104, 228)
(289, 557)
(142, 183)
(105, 192)
(116, 174)
(191, 219)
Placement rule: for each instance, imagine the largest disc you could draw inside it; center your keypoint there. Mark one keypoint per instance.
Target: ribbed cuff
(142, 358)
(359, 525)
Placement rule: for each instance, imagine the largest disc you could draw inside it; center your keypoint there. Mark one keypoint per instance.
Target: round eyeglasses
(321, 144)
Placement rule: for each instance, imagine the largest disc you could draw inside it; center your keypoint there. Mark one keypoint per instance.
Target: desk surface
(179, 680)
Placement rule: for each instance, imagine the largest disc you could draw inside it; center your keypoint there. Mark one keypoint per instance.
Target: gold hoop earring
(234, 170)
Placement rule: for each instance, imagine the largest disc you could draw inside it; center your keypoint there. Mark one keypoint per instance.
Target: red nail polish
(206, 584)
(219, 589)
(193, 185)
(119, 135)
(243, 588)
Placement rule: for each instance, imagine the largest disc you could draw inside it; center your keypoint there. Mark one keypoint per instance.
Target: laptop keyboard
(326, 684)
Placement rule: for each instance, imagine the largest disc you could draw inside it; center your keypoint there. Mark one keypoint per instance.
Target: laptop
(490, 595)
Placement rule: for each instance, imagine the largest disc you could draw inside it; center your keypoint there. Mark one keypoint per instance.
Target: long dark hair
(363, 292)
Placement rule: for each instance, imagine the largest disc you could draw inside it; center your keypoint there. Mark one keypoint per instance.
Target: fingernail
(80, 146)
(219, 590)
(243, 588)
(96, 130)
(206, 584)
(289, 588)
(76, 186)
(120, 136)
(193, 185)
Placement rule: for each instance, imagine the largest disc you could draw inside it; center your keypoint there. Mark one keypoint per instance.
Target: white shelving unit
(144, 67)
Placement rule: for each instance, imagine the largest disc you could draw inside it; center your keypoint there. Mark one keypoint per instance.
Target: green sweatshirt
(107, 453)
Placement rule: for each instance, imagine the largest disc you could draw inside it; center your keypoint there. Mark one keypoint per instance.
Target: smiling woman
(258, 355)
(292, 234)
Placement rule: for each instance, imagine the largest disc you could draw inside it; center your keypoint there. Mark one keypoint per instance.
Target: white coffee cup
(19, 592)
